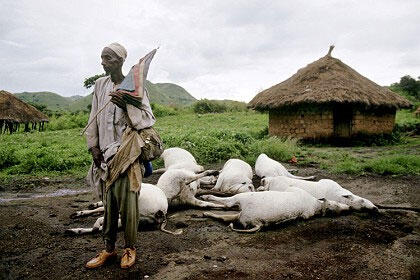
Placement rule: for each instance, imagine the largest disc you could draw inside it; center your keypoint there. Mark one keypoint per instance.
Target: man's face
(111, 62)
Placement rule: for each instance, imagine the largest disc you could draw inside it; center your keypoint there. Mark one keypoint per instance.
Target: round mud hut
(328, 99)
(14, 112)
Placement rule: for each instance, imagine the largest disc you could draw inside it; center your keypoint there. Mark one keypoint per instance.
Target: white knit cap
(119, 50)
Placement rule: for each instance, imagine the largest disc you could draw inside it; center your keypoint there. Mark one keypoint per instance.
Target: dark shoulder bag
(153, 147)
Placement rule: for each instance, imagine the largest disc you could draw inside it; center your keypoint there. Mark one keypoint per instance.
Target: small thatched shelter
(328, 99)
(14, 112)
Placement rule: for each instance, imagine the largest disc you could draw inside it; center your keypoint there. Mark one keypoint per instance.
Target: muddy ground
(353, 246)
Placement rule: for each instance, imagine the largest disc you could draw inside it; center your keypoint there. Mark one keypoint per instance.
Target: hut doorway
(343, 116)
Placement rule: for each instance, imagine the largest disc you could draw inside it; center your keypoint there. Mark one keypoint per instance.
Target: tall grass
(394, 164)
(67, 121)
(217, 137)
(61, 151)
(211, 138)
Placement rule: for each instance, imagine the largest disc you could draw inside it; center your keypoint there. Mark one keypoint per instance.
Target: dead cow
(178, 158)
(235, 177)
(267, 167)
(153, 207)
(262, 208)
(324, 188)
(181, 186)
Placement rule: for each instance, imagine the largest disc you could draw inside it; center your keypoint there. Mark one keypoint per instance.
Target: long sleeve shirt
(110, 124)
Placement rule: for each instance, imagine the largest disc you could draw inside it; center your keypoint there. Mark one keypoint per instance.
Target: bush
(62, 121)
(8, 157)
(162, 110)
(362, 139)
(206, 106)
(28, 153)
(406, 122)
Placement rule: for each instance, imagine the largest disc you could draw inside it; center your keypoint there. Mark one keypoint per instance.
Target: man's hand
(97, 156)
(117, 99)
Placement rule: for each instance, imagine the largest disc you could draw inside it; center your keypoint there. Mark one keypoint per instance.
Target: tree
(410, 85)
(90, 81)
(41, 107)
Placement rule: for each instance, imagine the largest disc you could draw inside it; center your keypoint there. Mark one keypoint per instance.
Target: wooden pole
(330, 50)
(94, 118)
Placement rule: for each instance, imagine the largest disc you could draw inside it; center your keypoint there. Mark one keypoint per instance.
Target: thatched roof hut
(328, 94)
(14, 111)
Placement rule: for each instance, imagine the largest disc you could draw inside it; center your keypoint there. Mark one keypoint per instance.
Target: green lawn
(211, 138)
(399, 159)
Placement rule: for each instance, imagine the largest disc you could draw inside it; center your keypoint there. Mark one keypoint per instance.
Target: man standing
(103, 140)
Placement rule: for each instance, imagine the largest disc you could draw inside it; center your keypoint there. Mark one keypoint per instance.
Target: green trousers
(121, 201)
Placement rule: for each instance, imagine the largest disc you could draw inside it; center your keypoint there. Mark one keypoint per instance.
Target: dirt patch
(353, 246)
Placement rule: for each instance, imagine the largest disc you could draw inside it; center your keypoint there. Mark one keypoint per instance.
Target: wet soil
(353, 246)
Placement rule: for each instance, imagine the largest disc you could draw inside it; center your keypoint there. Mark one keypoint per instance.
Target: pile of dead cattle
(281, 196)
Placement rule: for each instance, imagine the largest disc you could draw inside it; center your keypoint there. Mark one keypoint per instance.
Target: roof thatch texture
(13, 109)
(327, 80)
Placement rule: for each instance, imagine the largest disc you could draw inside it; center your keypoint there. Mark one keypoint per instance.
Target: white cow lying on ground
(153, 207)
(324, 188)
(262, 208)
(267, 167)
(235, 177)
(178, 158)
(180, 187)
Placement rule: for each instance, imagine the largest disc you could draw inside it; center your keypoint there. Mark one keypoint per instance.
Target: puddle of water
(60, 192)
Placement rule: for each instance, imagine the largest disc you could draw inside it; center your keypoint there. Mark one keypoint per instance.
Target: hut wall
(373, 121)
(301, 124)
(317, 122)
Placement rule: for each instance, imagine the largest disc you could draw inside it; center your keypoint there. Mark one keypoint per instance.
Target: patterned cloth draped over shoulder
(144, 145)
(137, 145)
(132, 87)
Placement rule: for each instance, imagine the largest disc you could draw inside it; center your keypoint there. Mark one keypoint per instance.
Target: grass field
(211, 138)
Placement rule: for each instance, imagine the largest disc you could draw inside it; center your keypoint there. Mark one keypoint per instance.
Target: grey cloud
(213, 48)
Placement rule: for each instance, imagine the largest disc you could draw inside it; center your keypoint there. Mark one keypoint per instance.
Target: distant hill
(81, 104)
(51, 100)
(161, 93)
(169, 94)
(75, 97)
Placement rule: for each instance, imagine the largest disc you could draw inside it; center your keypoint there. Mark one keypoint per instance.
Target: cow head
(329, 207)
(358, 203)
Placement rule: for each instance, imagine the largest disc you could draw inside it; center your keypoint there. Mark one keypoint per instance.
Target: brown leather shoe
(100, 259)
(128, 257)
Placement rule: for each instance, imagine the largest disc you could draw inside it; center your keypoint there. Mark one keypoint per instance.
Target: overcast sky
(214, 49)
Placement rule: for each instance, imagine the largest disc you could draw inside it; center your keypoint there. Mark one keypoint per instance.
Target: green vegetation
(90, 81)
(82, 104)
(52, 101)
(400, 159)
(42, 153)
(407, 122)
(67, 121)
(205, 106)
(211, 138)
(215, 138)
(408, 87)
